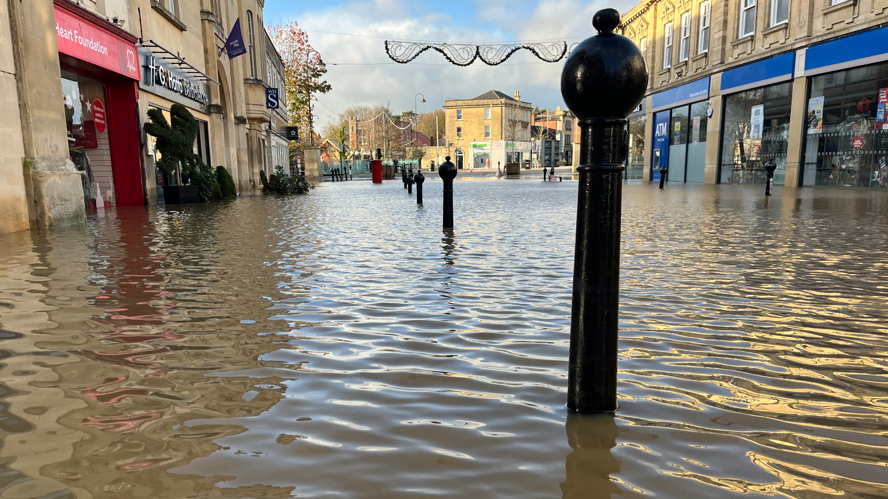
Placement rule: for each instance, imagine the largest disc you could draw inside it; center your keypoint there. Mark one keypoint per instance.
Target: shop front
(846, 134)
(756, 127)
(680, 124)
(166, 80)
(99, 73)
(498, 153)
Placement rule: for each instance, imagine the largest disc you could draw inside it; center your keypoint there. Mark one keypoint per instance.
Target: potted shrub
(175, 142)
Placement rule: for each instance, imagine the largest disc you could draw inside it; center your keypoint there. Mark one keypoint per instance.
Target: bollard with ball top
(419, 178)
(663, 171)
(544, 173)
(410, 181)
(770, 166)
(603, 80)
(447, 171)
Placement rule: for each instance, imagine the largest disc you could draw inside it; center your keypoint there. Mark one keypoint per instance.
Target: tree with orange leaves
(303, 76)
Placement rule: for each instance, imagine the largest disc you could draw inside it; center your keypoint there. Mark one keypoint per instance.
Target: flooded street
(340, 344)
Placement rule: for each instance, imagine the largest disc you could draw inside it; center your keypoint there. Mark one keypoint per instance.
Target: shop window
(667, 46)
(459, 114)
(685, 46)
(779, 12)
(487, 114)
(635, 158)
(487, 132)
(678, 129)
(250, 47)
(756, 130)
(705, 11)
(747, 18)
(846, 139)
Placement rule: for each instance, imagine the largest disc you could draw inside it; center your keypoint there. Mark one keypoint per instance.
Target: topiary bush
(226, 182)
(263, 179)
(281, 183)
(175, 140)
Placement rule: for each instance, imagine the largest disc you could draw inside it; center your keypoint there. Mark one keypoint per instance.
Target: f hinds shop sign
(88, 42)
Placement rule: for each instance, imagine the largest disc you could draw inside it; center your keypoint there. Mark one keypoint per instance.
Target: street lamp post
(413, 124)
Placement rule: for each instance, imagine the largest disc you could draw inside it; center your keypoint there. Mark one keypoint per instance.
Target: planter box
(513, 169)
(180, 194)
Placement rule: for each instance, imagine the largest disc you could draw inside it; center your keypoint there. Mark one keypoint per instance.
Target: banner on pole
(235, 44)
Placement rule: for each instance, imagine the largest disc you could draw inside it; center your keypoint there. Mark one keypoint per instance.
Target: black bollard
(404, 176)
(603, 80)
(447, 171)
(419, 178)
(770, 166)
(663, 171)
(544, 173)
(410, 182)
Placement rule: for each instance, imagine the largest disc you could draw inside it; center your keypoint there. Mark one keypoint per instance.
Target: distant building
(556, 147)
(490, 130)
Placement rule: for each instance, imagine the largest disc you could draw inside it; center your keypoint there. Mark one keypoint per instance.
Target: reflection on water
(341, 343)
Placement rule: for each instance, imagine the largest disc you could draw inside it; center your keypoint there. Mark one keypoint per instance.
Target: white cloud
(371, 83)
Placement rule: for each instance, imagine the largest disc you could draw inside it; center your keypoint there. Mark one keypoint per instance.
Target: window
(667, 46)
(684, 48)
(834, 2)
(171, 6)
(487, 114)
(779, 12)
(644, 44)
(705, 11)
(459, 115)
(250, 44)
(747, 17)
(458, 131)
(487, 132)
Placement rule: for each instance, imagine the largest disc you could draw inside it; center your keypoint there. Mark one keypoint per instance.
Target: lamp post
(413, 124)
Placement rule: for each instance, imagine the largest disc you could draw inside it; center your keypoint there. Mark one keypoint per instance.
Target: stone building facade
(736, 85)
(489, 129)
(79, 78)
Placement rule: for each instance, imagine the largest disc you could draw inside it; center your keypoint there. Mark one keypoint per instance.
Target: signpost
(271, 98)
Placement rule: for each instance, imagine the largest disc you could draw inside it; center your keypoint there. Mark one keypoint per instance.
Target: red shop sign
(99, 115)
(857, 142)
(89, 42)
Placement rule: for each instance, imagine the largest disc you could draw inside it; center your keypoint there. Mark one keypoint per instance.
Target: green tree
(175, 140)
(427, 122)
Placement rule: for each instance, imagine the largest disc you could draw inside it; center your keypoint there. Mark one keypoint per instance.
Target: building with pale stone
(79, 78)
(736, 85)
(489, 130)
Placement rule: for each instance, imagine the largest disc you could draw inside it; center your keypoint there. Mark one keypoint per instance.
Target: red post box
(376, 170)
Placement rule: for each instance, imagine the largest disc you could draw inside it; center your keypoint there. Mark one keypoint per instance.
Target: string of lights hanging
(464, 54)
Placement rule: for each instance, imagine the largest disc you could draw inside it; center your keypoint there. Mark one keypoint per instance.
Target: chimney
(517, 95)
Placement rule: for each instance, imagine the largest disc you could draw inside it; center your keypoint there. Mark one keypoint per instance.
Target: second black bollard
(603, 80)
(410, 183)
(447, 171)
(419, 178)
(770, 166)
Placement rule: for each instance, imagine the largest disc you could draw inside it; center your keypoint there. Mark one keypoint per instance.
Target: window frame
(486, 131)
(458, 132)
(459, 114)
(684, 46)
(705, 20)
(774, 4)
(668, 36)
(743, 31)
(487, 113)
(250, 44)
(642, 45)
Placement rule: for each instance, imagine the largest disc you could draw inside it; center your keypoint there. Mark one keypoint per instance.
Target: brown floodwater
(340, 344)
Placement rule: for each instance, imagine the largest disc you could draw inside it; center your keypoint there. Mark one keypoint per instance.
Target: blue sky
(361, 73)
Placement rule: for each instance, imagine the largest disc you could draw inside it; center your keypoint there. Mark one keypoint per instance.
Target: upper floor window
(703, 45)
(487, 114)
(487, 132)
(643, 45)
(667, 46)
(779, 12)
(458, 132)
(250, 44)
(171, 6)
(747, 17)
(834, 2)
(459, 115)
(685, 46)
